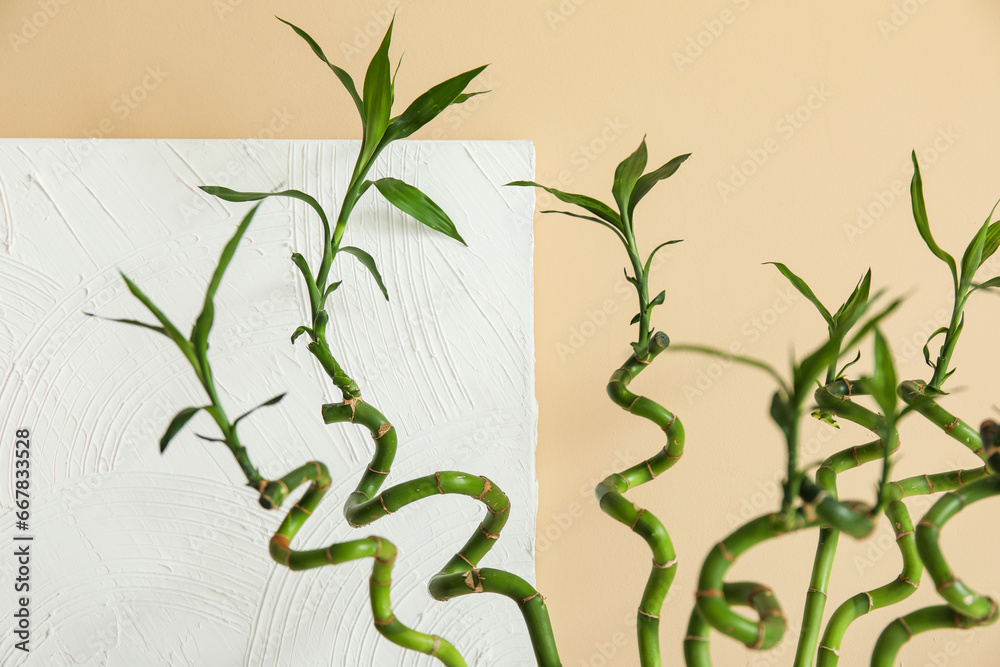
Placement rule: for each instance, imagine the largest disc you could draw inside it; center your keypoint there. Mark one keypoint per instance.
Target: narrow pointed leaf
(649, 260)
(271, 401)
(927, 346)
(369, 264)
(920, 217)
(635, 319)
(301, 330)
(412, 201)
(137, 323)
(884, 378)
(973, 256)
(331, 288)
(598, 208)
(176, 424)
(592, 219)
(992, 282)
(172, 332)
(804, 289)
(203, 324)
(377, 98)
(992, 241)
(465, 96)
(843, 370)
(427, 106)
(300, 262)
(232, 195)
(344, 77)
(848, 313)
(657, 300)
(626, 175)
(647, 181)
(209, 439)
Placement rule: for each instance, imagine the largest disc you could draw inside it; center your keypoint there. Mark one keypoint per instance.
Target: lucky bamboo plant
(461, 575)
(808, 500)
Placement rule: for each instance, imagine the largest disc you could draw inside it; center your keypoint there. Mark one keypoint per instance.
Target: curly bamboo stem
(642, 522)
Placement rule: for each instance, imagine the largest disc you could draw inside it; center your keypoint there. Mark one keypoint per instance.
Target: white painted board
(143, 559)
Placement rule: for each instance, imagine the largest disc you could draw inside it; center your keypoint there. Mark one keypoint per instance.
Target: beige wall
(585, 80)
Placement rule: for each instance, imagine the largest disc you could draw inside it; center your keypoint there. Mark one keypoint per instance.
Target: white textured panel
(142, 559)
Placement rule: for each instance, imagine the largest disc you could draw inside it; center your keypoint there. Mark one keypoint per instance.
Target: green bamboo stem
(966, 608)
(272, 495)
(758, 597)
(642, 522)
(461, 575)
(711, 601)
(905, 628)
(894, 592)
(916, 395)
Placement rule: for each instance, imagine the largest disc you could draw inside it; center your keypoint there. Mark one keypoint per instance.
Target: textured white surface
(142, 559)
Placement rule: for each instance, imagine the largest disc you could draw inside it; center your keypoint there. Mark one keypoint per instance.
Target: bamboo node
(474, 581)
(281, 541)
(650, 468)
(632, 404)
(854, 451)
(647, 614)
(382, 430)
(499, 511)
(871, 601)
(909, 632)
(381, 501)
(758, 589)
(437, 476)
(324, 487)
(930, 484)
(670, 423)
(708, 593)
(961, 499)
(378, 472)
(489, 536)
(261, 485)
(946, 583)
(725, 552)
(907, 580)
(693, 638)
(669, 564)
(353, 402)
(950, 427)
(460, 555)
(487, 486)
(385, 621)
(628, 485)
(303, 509)
(904, 533)
(329, 556)
(927, 524)
(529, 598)
(371, 580)
(760, 637)
(638, 516)
(831, 650)
(437, 644)
(816, 590)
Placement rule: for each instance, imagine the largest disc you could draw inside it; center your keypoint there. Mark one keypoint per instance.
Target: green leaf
(992, 241)
(649, 260)
(646, 182)
(203, 324)
(883, 381)
(657, 300)
(344, 77)
(843, 370)
(137, 323)
(592, 219)
(377, 97)
(271, 401)
(927, 346)
(827, 417)
(626, 175)
(598, 208)
(920, 217)
(331, 288)
(972, 259)
(804, 289)
(465, 96)
(176, 424)
(849, 312)
(299, 261)
(412, 201)
(635, 319)
(301, 330)
(749, 361)
(172, 332)
(369, 264)
(226, 194)
(429, 105)
(992, 282)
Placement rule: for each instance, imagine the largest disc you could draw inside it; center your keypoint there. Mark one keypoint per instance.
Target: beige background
(835, 95)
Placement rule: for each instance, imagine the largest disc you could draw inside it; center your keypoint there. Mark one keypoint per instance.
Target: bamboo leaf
(412, 201)
(592, 219)
(137, 323)
(647, 181)
(626, 174)
(883, 381)
(804, 289)
(920, 217)
(598, 208)
(927, 346)
(271, 401)
(176, 424)
(992, 240)
(344, 77)
(369, 264)
(848, 365)
(172, 332)
(848, 314)
(203, 324)
(331, 288)
(635, 319)
(300, 262)
(465, 96)
(301, 330)
(657, 300)
(649, 260)
(429, 105)
(992, 282)
(377, 98)
(226, 194)
(749, 361)
(972, 259)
